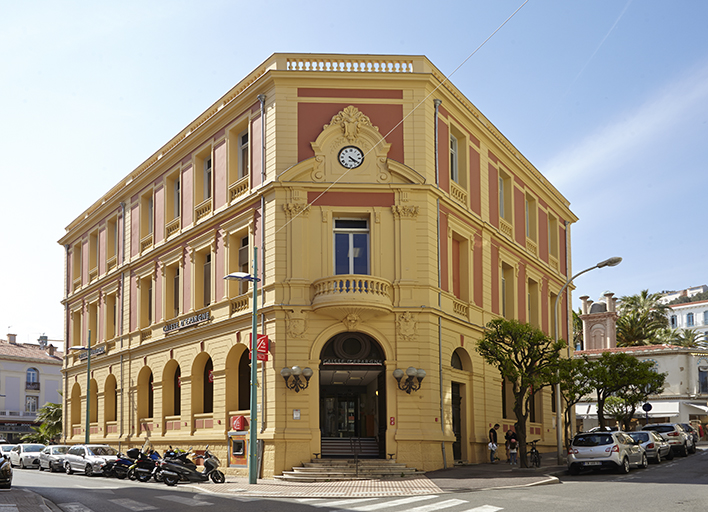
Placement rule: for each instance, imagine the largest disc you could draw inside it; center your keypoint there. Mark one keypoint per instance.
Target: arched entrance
(352, 397)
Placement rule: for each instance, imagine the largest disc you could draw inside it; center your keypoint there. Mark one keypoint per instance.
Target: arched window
(209, 386)
(456, 361)
(689, 320)
(177, 390)
(244, 381)
(32, 375)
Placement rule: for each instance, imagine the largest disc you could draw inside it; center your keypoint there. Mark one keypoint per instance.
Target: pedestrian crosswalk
(427, 503)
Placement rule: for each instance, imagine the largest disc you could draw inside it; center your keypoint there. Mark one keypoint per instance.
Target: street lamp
(88, 385)
(610, 262)
(243, 276)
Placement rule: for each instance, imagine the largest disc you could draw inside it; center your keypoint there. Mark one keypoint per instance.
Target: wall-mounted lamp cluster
(410, 383)
(296, 372)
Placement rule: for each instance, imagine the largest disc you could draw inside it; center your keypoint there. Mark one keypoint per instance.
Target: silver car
(681, 442)
(88, 459)
(52, 457)
(654, 445)
(26, 455)
(603, 450)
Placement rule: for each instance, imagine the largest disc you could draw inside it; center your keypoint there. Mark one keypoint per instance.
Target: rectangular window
(31, 403)
(147, 216)
(532, 301)
(93, 256)
(207, 178)
(175, 293)
(703, 380)
(176, 197)
(76, 328)
(243, 160)
(454, 162)
(351, 246)
(507, 291)
(505, 196)
(76, 267)
(531, 218)
(110, 316)
(689, 320)
(93, 321)
(207, 280)
(145, 302)
(111, 244)
(552, 236)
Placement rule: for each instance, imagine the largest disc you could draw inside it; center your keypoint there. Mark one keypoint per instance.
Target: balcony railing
(111, 263)
(239, 188)
(202, 209)
(358, 290)
(32, 386)
(531, 247)
(239, 304)
(505, 227)
(146, 242)
(172, 227)
(458, 193)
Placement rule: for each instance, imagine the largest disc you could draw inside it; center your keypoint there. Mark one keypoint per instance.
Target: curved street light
(609, 262)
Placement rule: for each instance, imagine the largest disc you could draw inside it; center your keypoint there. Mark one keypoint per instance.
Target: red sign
(239, 423)
(393, 420)
(261, 347)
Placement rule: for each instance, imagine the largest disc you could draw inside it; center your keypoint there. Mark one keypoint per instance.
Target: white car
(5, 449)
(88, 459)
(26, 455)
(605, 450)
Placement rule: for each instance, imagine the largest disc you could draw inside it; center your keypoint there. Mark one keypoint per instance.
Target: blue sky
(607, 98)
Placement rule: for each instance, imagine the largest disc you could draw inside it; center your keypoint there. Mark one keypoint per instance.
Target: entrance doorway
(352, 397)
(457, 421)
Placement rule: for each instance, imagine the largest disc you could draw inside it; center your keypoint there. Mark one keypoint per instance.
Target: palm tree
(642, 321)
(49, 416)
(647, 303)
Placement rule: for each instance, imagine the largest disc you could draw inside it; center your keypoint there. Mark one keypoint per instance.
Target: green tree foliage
(526, 358)
(49, 417)
(575, 383)
(621, 375)
(642, 320)
(577, 328)
(684, 300)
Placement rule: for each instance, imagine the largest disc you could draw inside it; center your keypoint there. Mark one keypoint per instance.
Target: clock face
(351, 157)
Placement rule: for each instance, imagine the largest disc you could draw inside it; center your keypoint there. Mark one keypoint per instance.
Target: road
(678, 485)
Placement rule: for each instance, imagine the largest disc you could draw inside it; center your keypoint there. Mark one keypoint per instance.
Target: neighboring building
(685, 396)
(690, 315)
(668, 296)
(30, 376)
(390, 227)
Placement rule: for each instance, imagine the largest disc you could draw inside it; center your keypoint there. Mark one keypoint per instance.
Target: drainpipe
(261, 98)
(440, 371)
(122, 320)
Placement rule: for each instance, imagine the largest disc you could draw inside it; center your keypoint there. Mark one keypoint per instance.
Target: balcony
(146, 242)
(172, 227)
(31, 386)
(458, 193)
(506, 228)
(239, 188)
(345, 294)
(202, 209)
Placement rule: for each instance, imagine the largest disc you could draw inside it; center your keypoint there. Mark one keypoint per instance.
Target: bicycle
(533, 456)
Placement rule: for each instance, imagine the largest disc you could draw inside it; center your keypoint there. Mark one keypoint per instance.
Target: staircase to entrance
(336, 470)
(349, 447)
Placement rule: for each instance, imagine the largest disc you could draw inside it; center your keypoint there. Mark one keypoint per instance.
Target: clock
(351, 157)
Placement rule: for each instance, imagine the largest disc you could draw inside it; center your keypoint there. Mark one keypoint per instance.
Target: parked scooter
(118, 468)
(175, 469)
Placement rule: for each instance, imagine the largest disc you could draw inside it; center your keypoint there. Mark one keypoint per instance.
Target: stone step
(350, 470)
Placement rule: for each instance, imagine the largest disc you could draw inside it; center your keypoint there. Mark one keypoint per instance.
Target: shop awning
(658, 410)
(702, 408)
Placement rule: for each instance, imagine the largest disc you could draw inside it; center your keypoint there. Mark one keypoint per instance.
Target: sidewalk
(471, 477)
(20, 500)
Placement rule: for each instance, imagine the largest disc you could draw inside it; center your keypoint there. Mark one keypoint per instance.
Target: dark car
(5, 472)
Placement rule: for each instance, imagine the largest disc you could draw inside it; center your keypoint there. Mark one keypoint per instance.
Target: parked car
(654, 445)
(605, 450)
(5, 473)
(88, 459)
(52, 457)
(5, 449)
(681, 442)
(694, 433)
(26, 455)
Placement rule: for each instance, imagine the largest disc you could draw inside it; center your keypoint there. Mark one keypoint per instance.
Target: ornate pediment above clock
(351, 149)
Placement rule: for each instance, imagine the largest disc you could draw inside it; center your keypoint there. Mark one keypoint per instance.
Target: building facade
(392, 221)
(30, 376)
(690, 315)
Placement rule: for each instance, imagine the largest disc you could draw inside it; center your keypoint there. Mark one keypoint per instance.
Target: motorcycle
(145, 465)
(118, 468)
(180, 468)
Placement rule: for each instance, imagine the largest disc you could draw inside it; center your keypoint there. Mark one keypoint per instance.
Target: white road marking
(185, 501)
(136, 506)
(438, 505)
(394, 503)
(7, 507)
(74, 507)
(485, 508)
(341, 503)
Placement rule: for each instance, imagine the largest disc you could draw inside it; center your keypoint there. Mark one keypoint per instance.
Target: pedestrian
(508, 436)
(493, 443)
(513, 449)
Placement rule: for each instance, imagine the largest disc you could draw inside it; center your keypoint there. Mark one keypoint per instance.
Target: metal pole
(252, 462)
(88, 390)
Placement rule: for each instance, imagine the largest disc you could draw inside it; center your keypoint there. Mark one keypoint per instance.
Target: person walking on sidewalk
(508, 436)
(513, 449)
(493, 443)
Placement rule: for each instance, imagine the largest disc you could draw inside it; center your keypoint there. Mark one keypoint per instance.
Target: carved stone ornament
(407, 325)
(293, 209)
(351, 321)
(350, 120)
(405, 211)
(297, 323)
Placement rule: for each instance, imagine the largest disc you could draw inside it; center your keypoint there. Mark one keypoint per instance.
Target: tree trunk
(520, 427)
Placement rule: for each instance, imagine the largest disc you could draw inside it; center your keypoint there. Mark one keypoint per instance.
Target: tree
(49, 417)
(574, 375)
(619, 374)
(642, 319)
(577, 328)
(526, 358)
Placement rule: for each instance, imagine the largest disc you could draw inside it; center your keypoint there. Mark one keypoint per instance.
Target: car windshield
(34, 447)
(639, 436)
(7, 447)
(102, 450)
(59, 450)
(660, 428)
(593, 440)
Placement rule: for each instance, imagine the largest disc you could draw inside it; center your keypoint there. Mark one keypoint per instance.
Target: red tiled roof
(644, 348)
(28, 351)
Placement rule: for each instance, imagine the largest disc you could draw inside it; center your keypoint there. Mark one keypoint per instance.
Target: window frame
(351, 243)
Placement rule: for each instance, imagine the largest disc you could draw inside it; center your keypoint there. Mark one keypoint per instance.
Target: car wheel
(624, 467)
(22, 464)
(88, 470)
(645, 462)
(684, 451)
(670, 455)
(41, 468)
(67, 468)
(693, 448)
(657, 460)
(574, 470)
